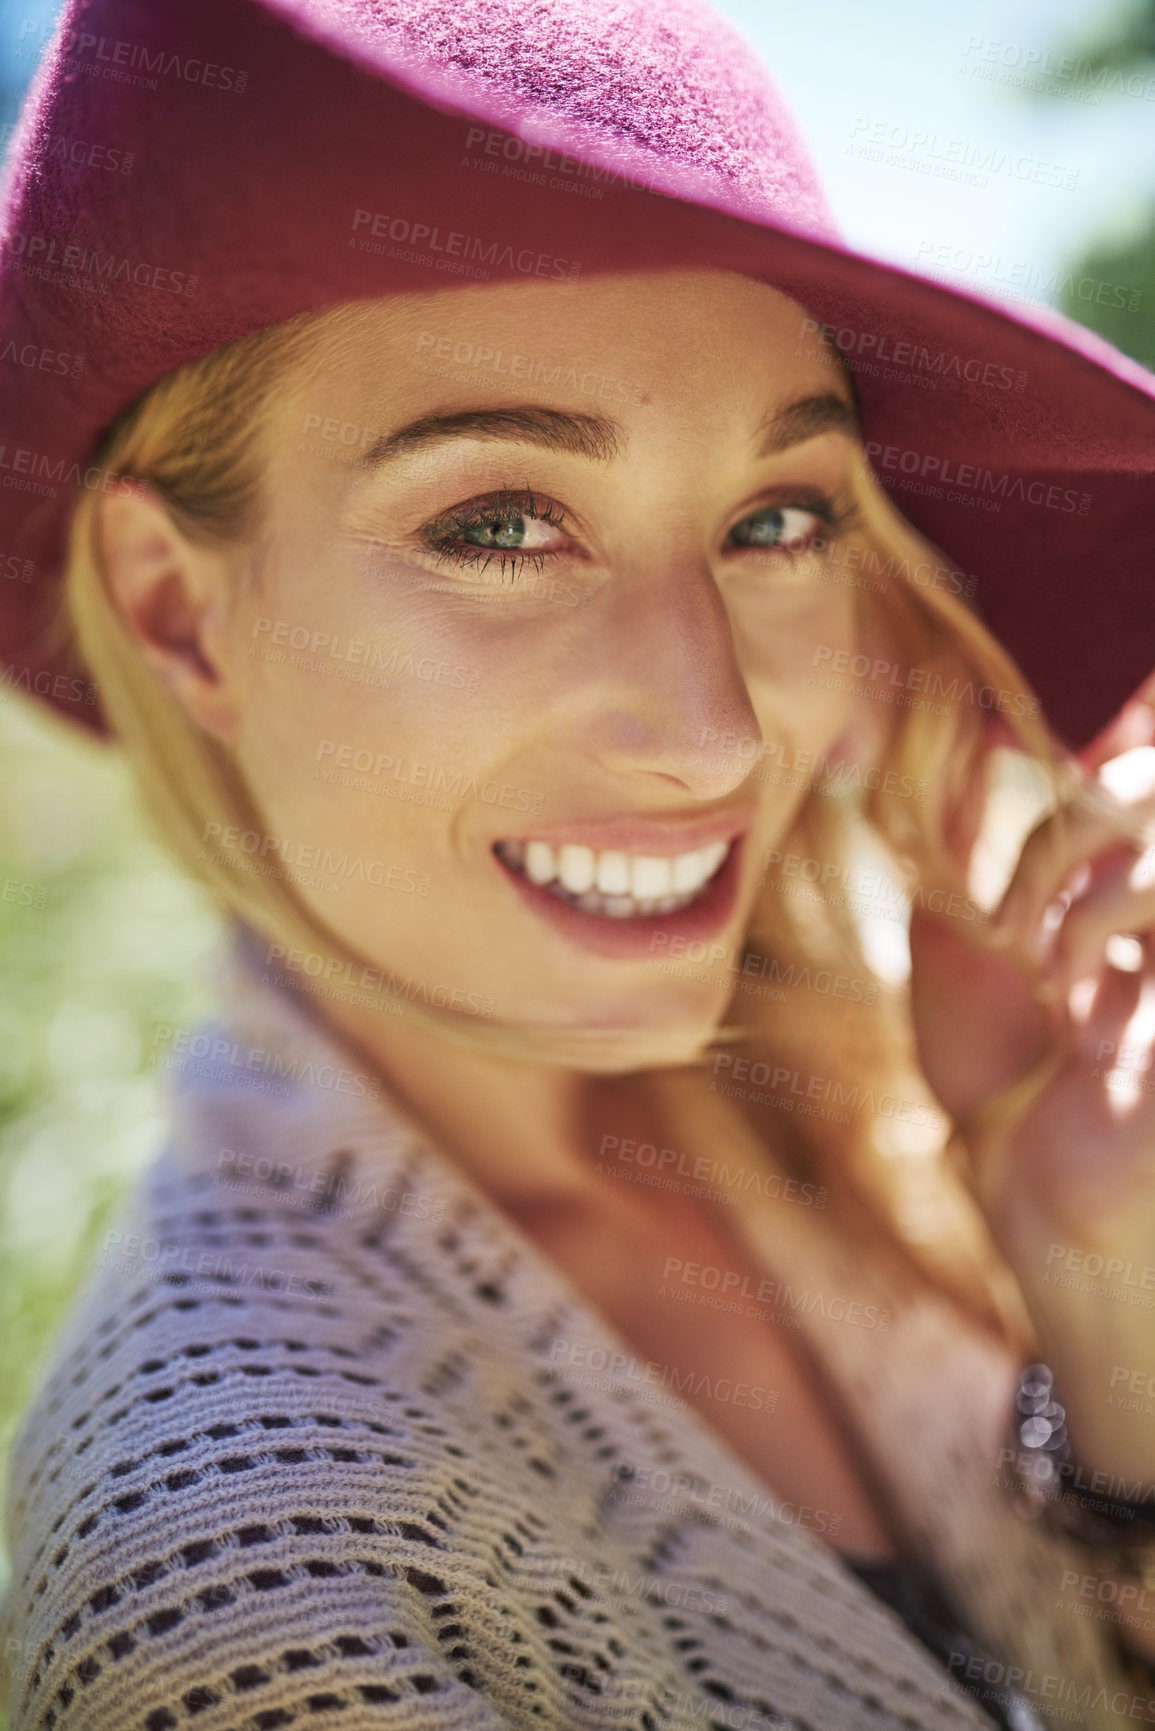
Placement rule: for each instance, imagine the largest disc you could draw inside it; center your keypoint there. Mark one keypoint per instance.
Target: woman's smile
(627, 898)
(623, 867)
(616, 884)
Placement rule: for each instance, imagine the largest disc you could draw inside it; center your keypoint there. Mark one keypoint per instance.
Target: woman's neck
(515, 1127)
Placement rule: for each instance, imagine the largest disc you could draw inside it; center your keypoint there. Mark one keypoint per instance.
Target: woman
(583, 1282)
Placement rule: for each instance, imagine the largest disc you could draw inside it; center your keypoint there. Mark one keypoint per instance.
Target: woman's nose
(674, 687)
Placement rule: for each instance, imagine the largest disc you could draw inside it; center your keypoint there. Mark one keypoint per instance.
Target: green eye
(497, 532)
(506, 529)
(779, 526)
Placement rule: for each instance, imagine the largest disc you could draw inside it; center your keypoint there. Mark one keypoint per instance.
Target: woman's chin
(609, 1041)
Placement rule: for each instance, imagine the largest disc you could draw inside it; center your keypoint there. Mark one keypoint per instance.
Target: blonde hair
(194, 438)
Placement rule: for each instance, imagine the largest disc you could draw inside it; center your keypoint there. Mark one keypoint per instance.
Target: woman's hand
(1069, 1191)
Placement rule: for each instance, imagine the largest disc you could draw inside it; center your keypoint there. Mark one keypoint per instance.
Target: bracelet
(1084, 1506)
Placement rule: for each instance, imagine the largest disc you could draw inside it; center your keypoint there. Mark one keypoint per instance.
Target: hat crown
(185, 175)
(670, 94)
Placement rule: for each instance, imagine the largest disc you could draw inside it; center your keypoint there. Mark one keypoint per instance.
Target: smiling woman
(702, 535)
(585, 1279)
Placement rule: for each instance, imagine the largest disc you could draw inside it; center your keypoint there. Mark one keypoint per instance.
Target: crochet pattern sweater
(308, 1454)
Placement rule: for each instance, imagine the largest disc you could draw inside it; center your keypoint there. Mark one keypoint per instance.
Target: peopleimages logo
(115, 59)
(39, 254)
(229, 1055)
(79, 152)
(542, 165)
(963, 159)
(941, 470)
(878, 674)
(455, 783)
(41, 359)
(686, 1384)
(469, 248)
(334, 973)
(1036, 282)
(327, 649)
(825, 1088)
(875, 346)
(57, 685)
(136, 1254)
(1043, 69)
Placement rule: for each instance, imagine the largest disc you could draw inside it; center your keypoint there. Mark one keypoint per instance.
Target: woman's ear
(173, 595)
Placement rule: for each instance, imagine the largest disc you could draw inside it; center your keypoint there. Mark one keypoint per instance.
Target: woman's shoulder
(216, 1490)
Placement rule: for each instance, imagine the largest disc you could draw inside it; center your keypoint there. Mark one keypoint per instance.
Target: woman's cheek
(364, 708)
(792, 636)
(792, 656)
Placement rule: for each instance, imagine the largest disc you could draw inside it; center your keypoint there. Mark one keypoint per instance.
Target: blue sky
(904, 72)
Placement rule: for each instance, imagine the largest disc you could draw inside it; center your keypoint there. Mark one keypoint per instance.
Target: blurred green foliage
(101, 940)
(1125, 44)
(1126, 41)
(1125, 316)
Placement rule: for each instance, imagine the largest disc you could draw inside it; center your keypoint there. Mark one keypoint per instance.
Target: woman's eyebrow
(595, 437)
(592, 436)
(805, 419)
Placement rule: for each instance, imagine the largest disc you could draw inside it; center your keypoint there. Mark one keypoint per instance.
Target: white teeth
(613, 874)
(615, 884)
(651, 877)
(575, 868)
(688, 871)
(539, 863)
(714, 855)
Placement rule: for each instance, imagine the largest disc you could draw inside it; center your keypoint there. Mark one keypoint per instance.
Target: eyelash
(496, 507)
(837, 518)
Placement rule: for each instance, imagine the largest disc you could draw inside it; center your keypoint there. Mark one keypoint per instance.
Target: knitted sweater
(316, 1448)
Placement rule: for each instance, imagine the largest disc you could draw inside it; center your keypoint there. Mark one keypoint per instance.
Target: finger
(1051, 853)
(1116, 810)
(967, 1052)
(1103, 1014)
(1117, 1042)
(1120, 901)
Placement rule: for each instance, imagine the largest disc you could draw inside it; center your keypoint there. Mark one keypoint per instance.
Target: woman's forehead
(606, 346)
(626, 308)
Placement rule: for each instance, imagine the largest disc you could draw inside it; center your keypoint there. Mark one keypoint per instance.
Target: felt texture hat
(183, 175)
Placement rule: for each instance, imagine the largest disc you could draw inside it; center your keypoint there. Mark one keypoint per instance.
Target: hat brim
(1016, 441)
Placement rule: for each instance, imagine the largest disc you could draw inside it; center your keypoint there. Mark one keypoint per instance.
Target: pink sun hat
(186, 174)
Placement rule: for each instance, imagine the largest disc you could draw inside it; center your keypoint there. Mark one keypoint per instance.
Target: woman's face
(539, 586)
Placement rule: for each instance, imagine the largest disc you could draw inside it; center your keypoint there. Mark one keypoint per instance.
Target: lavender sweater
(327, 1441)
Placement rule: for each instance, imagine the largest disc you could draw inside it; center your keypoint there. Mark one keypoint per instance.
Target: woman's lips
(631, 937)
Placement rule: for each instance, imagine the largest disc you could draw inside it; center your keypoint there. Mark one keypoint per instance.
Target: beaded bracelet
(1081, 1504)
